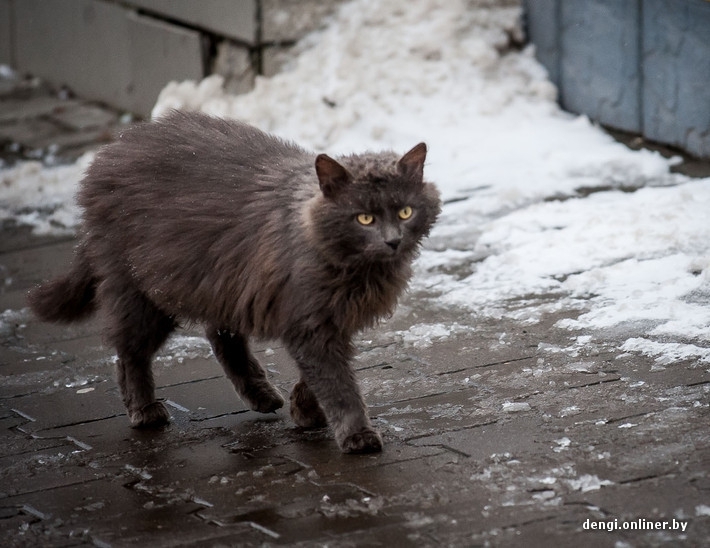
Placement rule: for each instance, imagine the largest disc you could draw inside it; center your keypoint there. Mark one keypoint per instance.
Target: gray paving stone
(70, 145)
(80, 117)
(18, 109)
(29, 132)
(38, 123)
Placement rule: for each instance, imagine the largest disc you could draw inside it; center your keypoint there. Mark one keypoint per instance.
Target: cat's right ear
(331, 175)
(412, 164)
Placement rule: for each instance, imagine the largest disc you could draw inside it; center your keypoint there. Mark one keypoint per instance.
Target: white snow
(630, 251)
(424, 335)
(667, 352)
(588, 482)
(515, 407)
(42, 197)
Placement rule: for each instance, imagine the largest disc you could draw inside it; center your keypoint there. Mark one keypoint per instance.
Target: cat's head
(374, 207)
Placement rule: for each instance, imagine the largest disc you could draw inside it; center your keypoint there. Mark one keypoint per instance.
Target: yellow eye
(405, 213)
(365, 219)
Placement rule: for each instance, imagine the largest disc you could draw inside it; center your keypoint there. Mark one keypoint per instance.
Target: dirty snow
(42, 197)
(515, 407)
(424, 335)
(537, 201)
(588, 482)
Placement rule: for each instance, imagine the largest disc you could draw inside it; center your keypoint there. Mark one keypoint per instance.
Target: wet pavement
(510, 434)
(39, 122)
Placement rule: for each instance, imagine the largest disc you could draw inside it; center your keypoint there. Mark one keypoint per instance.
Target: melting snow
(588, 482)
(515, 407)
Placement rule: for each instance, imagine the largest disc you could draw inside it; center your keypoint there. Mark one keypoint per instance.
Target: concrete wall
(5, 32)
(236, 19)
(641, 66)
(103, 51)
(123, 52)
(676, 65)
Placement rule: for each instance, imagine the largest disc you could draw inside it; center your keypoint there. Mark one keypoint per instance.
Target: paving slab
(22, 109)
(38, 122)
(78, 116)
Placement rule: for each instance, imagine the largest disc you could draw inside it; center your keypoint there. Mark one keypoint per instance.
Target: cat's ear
(331, 175)
(411, 165)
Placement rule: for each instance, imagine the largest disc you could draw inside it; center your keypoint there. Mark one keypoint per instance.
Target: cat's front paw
(153, 415)
(366, 440)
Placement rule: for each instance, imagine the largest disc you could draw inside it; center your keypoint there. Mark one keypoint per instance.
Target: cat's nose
(394, 243)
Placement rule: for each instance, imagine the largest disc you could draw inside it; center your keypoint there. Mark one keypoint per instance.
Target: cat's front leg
(327, 375)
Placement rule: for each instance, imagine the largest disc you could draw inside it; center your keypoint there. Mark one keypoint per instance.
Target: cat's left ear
(331, 175)
(411, 165)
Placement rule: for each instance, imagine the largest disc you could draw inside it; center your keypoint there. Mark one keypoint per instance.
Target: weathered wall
(640, 65)
(124, 52)
(676, 64)
(5, 43)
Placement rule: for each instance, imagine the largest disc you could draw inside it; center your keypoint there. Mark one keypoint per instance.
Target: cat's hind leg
(305, 410)
(243, 369)
(137, 328)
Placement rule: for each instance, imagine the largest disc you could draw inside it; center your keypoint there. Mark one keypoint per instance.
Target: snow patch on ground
(424, 335)
(666, 352)
(11, 320)
(42, 197)
(180, 347)
(640, 257)
(588, 482)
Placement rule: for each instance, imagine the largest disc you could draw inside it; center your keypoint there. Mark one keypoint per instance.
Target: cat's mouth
(387, 252)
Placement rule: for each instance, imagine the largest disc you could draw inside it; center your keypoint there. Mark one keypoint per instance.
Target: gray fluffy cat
(196, 218)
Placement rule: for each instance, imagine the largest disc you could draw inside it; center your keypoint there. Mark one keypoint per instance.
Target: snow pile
(388, 74)
(538, 202)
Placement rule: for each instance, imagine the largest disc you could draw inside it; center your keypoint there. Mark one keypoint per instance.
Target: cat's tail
(68, 298)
